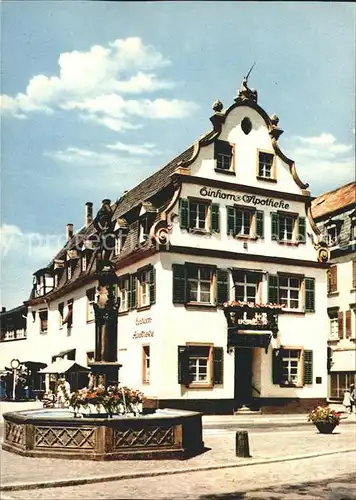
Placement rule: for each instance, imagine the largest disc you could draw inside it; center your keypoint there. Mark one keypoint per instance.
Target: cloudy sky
(96, 96)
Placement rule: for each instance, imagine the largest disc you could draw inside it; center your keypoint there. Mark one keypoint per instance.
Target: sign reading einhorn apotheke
(245, 198)
(145, 332)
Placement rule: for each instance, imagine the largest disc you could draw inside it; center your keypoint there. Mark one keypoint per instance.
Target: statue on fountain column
(107, 304)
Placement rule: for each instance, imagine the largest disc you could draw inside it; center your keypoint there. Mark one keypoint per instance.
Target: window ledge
(200, 386)
(90, 321)
(288, 243)
(267, 179)
(144, 308)
(123, 313)
(333, 294)
(200, 304)
(292, 311)
(292, 386)
(224, 171)
(198, 231)
(245, 237)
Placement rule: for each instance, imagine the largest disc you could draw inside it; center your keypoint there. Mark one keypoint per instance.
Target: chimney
(88, 213)
(106, 202)
(69, 231)
(3, 309)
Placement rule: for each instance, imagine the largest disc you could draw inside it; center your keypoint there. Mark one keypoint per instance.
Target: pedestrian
(347, 401)
(352, 396)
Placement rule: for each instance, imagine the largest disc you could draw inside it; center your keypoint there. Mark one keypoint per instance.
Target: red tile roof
(332, 201)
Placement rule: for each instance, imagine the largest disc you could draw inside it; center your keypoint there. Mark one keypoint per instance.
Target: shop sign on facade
(244, 198)
(143, 328)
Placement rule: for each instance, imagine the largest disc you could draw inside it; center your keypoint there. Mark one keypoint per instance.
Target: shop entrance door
(243, 376)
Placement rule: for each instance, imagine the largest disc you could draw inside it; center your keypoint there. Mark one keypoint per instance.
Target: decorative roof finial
(245, 93)
(217, 106)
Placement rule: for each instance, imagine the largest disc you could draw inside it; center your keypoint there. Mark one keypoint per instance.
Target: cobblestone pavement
(266, 444)
(325, 477)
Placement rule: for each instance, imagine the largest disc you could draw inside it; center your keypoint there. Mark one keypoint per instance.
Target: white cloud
(321, 161)
(23, 253)
(39, 247)
(134, 149)
(93, 82)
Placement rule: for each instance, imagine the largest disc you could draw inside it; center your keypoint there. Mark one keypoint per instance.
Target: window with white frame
(43, 321)
(353, 229)
(123, 285)
(90, 304)
(199, 365)
(333, 235)
(200, 287)
(334, 328)
(289, 292)
(265, 165)
(286, 227)
(118, 244)
(244, 222)
(198, 214)
(84, 262)
(61, 313)
(223, 155)
(143, 288)
(246, 285)
(146, 362)
(291, 367)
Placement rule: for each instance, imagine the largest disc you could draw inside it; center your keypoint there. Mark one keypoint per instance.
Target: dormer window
(69, 271)
(223, 156)
(332, 236)
(266, 166)
(333, 228)
(353, 227)
(144, 228)
(119, 242)
(84, 262)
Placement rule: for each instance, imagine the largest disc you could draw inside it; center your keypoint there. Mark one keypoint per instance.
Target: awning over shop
(64, 366)
(344, 361)
(34, 365)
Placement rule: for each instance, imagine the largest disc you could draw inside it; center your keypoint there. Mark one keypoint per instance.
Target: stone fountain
(58, 433)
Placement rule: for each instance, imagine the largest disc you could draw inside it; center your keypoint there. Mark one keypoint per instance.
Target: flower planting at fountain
(110, 400)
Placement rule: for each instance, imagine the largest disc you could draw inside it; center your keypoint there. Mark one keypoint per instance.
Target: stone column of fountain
(105, 366)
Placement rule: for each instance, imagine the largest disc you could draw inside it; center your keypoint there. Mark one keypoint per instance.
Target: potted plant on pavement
(324, 418)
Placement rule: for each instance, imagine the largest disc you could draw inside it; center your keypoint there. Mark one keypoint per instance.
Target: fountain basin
(165, 434)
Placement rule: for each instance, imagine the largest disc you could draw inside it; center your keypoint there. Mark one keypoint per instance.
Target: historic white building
(335, 214)
(221, 278)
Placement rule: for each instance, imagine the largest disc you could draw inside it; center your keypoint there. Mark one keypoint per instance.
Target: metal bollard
(242, 445)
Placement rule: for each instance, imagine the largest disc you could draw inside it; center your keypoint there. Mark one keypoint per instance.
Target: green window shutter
(274, 226)
(179, 284)
(183, 365)
(184, 213)
(310, 294)
(222, 286)
(273, 295)
(231, 229)
(218, 365)
(308, 367)
(152, 285)
(133, 291)
(301, 230)
(215, 218)
(260, 229)
(277, 366)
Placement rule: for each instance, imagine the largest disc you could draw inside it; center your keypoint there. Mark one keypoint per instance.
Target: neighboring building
(335, 214)
(12, 335)
(225, 222)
